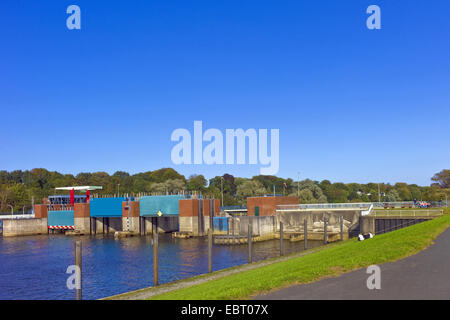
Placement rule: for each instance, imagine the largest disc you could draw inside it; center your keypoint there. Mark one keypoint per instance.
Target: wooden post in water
(342, 228)
(250, 243)
(281, 239)
(78, 265)
(232, 238)
(325, 240)
(305, 233)
(155, 258)
(210, 242)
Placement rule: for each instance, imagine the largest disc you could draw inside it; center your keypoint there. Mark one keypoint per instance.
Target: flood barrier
(107, 207)
(165, 205)
(61, 219)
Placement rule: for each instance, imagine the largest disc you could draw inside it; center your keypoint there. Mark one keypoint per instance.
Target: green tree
(249, 188)
(442, 178)
(197, 183)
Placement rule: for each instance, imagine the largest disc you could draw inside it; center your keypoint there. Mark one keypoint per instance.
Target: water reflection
(34, 267)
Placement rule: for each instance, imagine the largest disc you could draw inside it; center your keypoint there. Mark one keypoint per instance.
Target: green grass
(343, 257)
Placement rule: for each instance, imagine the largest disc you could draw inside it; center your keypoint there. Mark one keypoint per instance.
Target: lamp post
(379, 196)
(118, 190)
(298, 184)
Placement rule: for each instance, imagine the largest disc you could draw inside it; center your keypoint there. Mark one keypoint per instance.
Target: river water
(34, 267)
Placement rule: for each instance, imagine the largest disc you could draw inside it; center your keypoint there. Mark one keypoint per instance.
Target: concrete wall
(130, 224)
(83, 225)
(130, 216)
(267, 205)
(293, 220)
(189, 225)
(111, 225)
(82, 217)
(167, 224)
(24, 227)
(195, 215)
(261, 225)
(367, 225)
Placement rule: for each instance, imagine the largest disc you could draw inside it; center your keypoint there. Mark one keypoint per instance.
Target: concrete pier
(107, 225)
(195, 215)
(24, 227)
(130, 216)
(82, 218)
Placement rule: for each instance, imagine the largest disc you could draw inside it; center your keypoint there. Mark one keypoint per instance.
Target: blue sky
(351, 104)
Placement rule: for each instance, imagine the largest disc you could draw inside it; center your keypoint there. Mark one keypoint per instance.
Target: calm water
(34, 267)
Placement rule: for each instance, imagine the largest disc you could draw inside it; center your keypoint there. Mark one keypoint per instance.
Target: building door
(256, 211)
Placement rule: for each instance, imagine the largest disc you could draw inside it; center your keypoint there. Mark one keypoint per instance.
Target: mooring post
(233, 232)
(210, 243)
(155, 258)
(325, 231)
(281, 238)
(305, 233)
(140, 228)
(250, 232)
(342, 228)
(78, 281)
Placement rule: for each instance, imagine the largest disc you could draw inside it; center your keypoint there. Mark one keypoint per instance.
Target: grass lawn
(343, 257)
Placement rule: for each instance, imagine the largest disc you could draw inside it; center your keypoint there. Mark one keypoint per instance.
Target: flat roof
(80, 188)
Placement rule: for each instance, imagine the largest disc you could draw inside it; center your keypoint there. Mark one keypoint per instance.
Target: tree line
(18, 188)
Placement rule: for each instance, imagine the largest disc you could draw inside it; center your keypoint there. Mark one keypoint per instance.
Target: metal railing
(290, 207)
(60, 207)
(8, 216)
(394, 204)
(353, 205)
(233, 208)
(408, 213)
(399, 226)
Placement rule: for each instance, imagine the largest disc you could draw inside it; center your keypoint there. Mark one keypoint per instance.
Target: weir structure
(187, 216)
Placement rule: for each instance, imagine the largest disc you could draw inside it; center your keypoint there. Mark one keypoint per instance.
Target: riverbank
(150, 292)
(331, 261)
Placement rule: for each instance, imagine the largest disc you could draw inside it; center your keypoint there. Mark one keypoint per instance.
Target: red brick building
(266, 206)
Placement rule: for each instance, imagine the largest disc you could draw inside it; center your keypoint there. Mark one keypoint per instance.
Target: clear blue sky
(352, 105)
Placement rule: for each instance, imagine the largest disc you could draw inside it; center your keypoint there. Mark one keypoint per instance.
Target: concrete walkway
(425, 275)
